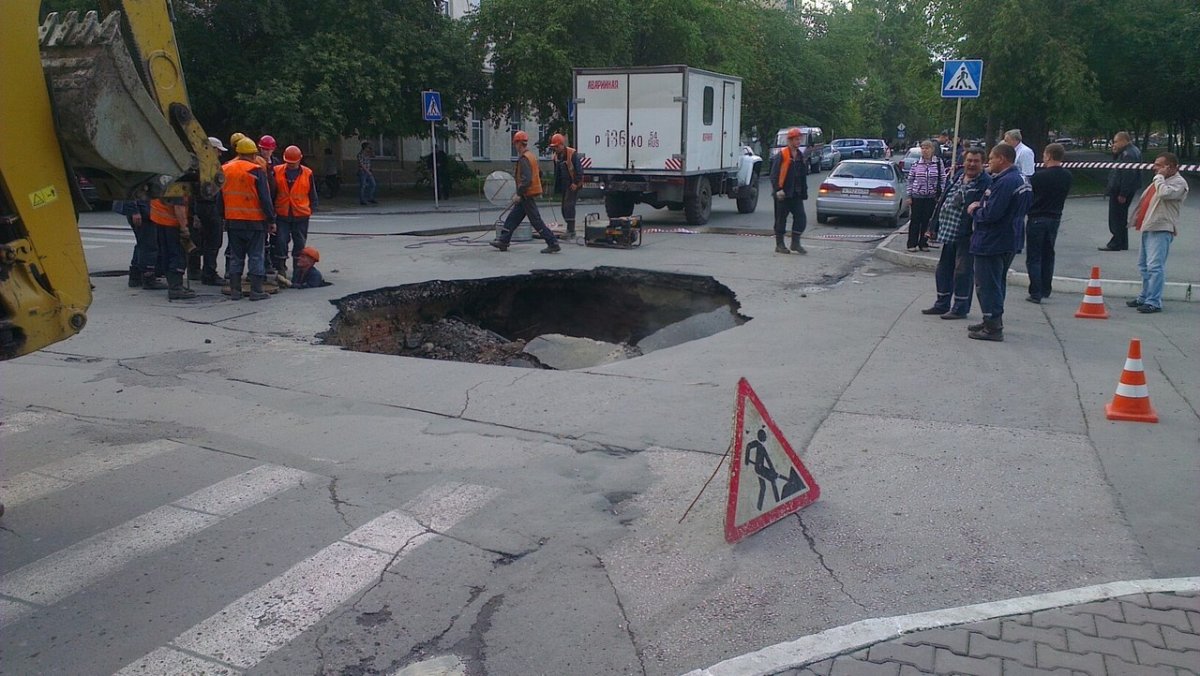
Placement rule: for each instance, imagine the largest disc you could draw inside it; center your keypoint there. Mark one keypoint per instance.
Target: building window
(479, 148)
(386, 147)
(708, 106)
(544, 135)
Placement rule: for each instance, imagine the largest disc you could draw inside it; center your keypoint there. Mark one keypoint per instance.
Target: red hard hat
(794, 132)
(558, 140)
(520, 137)
(292, 154)
(267, 142)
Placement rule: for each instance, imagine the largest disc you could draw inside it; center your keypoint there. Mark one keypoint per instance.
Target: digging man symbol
(756, 454)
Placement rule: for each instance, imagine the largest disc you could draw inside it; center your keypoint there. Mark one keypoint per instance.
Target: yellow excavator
(99, 95)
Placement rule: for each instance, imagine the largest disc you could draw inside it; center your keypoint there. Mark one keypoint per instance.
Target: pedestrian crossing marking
(68, 571)
(266, 619)
(433, 110)
(962, 81)
(56, 476)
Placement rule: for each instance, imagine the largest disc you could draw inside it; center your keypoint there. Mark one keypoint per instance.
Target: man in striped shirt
(954, 276)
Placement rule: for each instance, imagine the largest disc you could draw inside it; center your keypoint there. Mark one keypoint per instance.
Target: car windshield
(876, 172)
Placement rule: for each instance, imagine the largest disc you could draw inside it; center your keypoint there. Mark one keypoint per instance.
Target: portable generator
(618, 233)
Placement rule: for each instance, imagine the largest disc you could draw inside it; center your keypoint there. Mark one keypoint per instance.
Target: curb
(1117, 288)
(851, 637)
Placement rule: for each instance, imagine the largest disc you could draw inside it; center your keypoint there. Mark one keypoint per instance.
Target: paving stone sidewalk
(1139, 634)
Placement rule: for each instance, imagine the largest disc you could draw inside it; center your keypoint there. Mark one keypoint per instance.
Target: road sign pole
(433, 156)
(954, 148)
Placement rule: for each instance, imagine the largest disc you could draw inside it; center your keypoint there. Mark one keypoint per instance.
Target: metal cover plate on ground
(774, 482)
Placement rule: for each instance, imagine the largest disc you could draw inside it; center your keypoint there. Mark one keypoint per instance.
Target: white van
(812, 140)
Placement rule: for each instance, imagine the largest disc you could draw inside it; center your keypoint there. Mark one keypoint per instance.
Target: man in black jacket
(1122, 187)
(789, 182)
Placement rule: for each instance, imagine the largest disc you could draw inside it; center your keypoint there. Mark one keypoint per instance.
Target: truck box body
(664, 120)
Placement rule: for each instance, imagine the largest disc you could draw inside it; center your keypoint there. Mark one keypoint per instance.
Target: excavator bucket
(110, 128)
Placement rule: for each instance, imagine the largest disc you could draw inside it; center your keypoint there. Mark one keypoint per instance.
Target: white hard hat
(216, 143)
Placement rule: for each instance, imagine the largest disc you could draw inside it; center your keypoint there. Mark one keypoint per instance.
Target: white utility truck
(667, 136)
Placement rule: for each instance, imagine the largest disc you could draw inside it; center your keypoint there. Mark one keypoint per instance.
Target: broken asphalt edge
(850, 637)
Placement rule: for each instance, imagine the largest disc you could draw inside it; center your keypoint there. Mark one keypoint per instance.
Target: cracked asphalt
(952, 471)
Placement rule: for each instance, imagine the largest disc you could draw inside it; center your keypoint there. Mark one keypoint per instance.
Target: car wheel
(747, 204)
(822, 218)
(697, 203)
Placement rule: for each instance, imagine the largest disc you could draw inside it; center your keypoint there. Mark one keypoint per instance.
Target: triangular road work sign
(767, 481)
(962, 81)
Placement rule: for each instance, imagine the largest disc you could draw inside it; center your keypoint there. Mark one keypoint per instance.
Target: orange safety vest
(786, 164)
(240, 192)
(570, 155)
(163, 214)
(535, 186)
(293, 202)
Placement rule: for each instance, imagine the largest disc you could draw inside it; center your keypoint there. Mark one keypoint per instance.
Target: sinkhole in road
(555, 319)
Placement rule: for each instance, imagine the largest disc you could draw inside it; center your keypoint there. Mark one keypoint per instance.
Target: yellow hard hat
(246, 146)
(237, 136)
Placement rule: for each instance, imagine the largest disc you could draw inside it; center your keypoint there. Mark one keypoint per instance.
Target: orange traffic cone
(1092, 306)
(1132, 400)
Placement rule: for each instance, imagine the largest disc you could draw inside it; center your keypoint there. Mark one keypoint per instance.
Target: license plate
(857, 192)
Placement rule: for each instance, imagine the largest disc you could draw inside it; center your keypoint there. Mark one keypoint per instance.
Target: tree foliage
(325, 68)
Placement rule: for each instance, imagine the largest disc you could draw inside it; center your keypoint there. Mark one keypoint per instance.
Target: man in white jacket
(1157, 217)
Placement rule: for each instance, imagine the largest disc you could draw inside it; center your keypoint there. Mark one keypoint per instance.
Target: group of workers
(263, 209)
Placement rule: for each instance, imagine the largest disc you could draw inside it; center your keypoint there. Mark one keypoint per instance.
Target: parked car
(1066, 142)
(906, 162)
(88, 191)
(877, 146)
(830, 156)
(852, 148)
(863, 188)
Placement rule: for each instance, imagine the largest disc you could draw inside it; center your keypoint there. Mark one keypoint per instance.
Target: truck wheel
(697, 203)
(747, 204)
(822, 218)
(618, 204)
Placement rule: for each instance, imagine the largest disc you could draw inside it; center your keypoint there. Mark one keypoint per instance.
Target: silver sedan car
(862, 188)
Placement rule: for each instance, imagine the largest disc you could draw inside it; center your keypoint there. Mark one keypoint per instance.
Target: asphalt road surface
(202, 487)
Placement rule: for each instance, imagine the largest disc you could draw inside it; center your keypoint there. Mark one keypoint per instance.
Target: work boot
(571, 229)
(135, 278)
(175, 288)
(991, 330)
(780, 247)
(152, 283)
(256, 287)
(211, 279)
(235, 287)
(796, 244)
(499, 244)
(552, 248)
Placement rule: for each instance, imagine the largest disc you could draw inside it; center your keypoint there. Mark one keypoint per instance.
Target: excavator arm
(104, 98)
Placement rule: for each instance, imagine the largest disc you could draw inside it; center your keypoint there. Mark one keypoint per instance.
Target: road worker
(568, 178)
(789, 182)
(170, 216)
(524, 200)
(249, 216)
(295, 193)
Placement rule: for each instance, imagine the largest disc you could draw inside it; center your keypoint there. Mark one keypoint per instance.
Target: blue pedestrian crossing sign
(961, 78)
(431, 106)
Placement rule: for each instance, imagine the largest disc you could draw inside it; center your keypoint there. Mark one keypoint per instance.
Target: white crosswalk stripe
(248, 630)
(68, 571)
(58, 475)
(23, 421)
